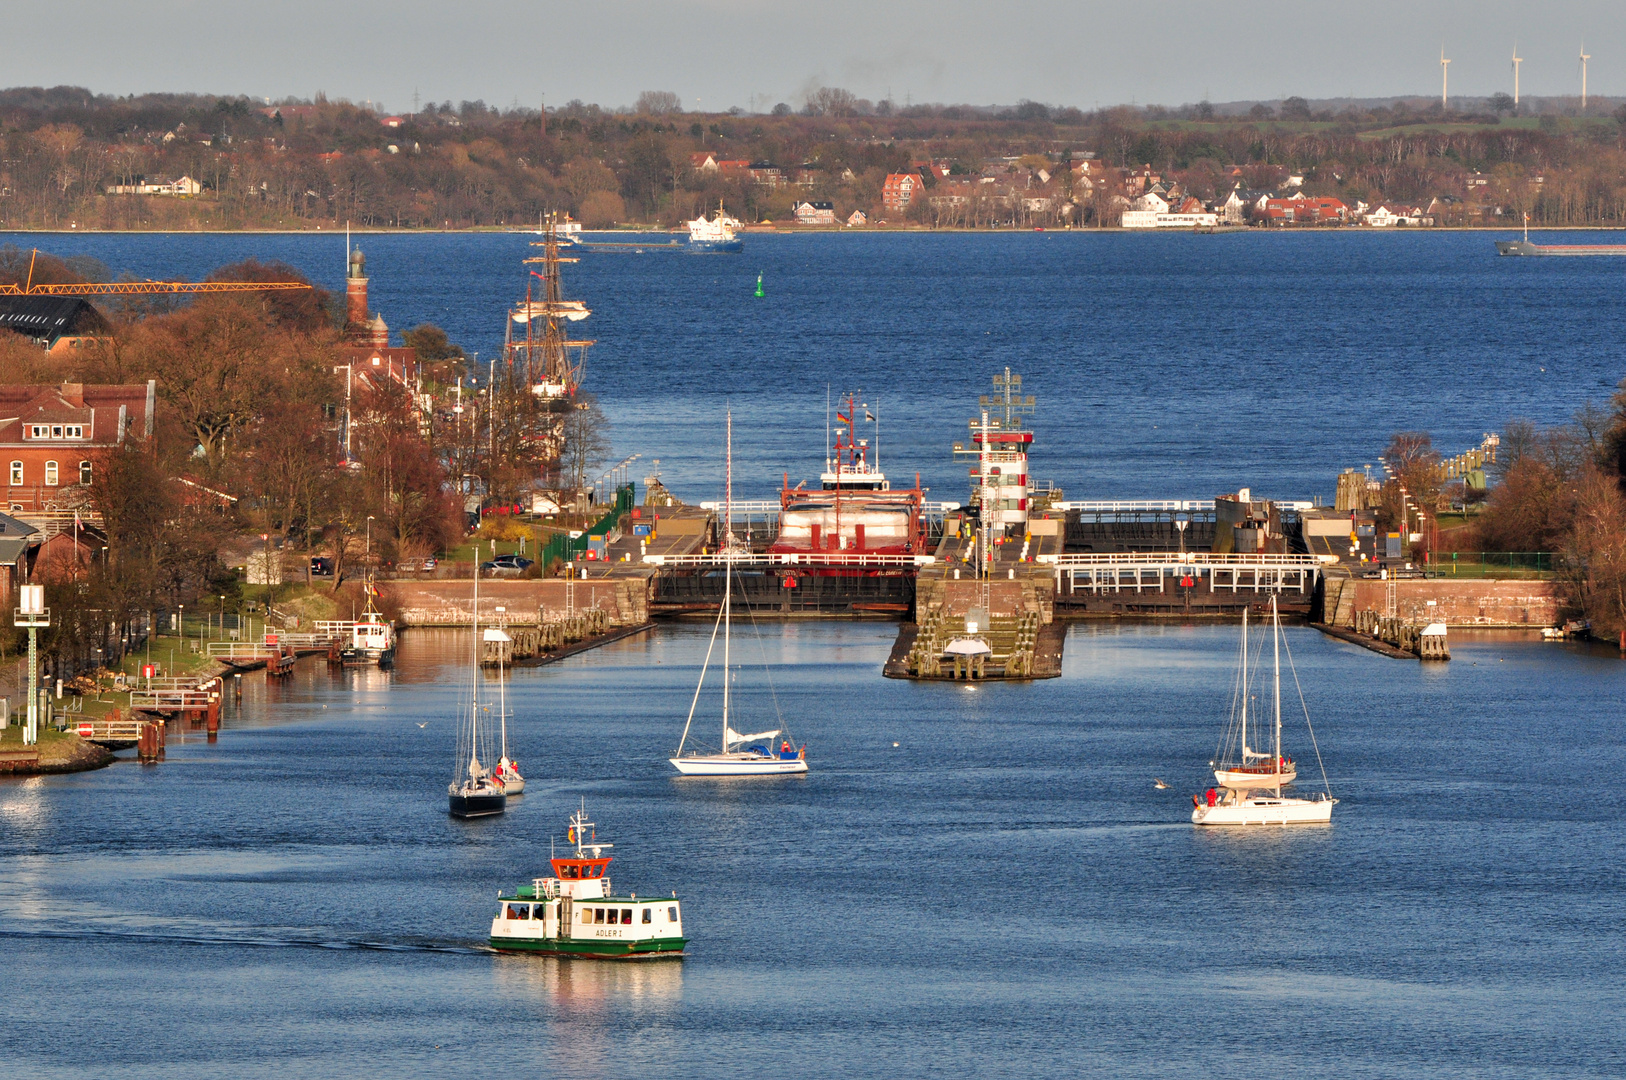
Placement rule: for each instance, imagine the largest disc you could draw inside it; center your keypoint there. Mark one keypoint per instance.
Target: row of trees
(1559, 489)
(328, 162)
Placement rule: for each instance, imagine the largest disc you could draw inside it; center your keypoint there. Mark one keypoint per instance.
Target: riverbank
(56, 752)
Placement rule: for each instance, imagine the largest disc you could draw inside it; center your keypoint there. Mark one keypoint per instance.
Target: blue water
(1164, 366)
(1003, 893)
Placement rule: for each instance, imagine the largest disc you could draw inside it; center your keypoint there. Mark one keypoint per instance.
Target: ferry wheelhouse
(576, 913)
(855, 508)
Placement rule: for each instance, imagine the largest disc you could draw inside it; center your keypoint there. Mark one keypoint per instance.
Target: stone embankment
(1486, 603)
(525, 602)
(56, 752)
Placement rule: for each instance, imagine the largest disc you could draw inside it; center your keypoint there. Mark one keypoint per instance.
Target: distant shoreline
(774, 230)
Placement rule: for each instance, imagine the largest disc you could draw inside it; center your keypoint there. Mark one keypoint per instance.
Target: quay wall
(625, 601)
(1470, 602)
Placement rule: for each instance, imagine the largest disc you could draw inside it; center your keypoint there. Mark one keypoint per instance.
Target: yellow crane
(140, 288)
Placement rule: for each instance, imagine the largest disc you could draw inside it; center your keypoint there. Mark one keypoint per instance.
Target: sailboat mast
(1244, 686)
(728, 563)
(1276, 647)
(502, 704)
(474, 668)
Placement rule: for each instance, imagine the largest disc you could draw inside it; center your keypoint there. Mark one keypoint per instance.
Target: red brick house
(1305, 210)
(899, 190)
(51, 436)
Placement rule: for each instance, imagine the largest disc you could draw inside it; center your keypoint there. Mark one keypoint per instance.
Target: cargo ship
(1525, 247)
(854, 509)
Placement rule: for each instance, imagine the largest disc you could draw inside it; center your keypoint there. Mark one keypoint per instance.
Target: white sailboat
(1250, 783)
(741, 755)
(507, 768)
(474, 792)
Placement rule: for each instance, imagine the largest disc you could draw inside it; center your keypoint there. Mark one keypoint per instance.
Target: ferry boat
(1525, 247)
(372, 637)
(855, 507)
(1250, 784)
(715, 235)
(575, 913)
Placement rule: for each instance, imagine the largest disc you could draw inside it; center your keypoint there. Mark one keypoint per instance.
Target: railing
(122, 730)
(1133, 506)
(856, 559)
(562, 547)
(1194, 559)
(768, 508)
(1481, 564)
(163, 700)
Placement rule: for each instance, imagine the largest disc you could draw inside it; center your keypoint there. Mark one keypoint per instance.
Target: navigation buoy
(759, 286)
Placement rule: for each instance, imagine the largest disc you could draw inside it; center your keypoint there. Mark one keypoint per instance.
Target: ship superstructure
(1001, 488)
(855, 508)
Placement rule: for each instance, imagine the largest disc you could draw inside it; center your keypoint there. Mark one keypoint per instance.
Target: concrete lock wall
(1465, 603)
(624, 601)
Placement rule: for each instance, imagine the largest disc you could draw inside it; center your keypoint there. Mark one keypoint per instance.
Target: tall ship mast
(536, 342)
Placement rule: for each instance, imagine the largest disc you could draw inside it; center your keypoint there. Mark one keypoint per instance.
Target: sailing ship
(536, 344)
(575, 913)
(1249, 780)
(741, 755)
(714, 235)
(474, 791)
(507, 768)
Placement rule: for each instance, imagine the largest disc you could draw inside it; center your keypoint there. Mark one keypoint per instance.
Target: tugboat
(372, 638)
(574, 912)
(855, 508)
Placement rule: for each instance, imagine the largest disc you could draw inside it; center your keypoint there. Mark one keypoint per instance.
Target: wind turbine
(1445, 83)
(1517, 60)
(1584, 59)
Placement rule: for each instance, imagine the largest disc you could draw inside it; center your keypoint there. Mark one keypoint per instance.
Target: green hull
(595, 950)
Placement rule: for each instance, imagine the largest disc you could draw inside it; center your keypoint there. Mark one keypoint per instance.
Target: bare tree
(585, 438)
(658, 103)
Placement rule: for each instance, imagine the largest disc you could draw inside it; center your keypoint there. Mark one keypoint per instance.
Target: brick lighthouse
(358, 327)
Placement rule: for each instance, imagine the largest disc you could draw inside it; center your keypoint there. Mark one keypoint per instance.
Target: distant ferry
(715, 235)
(1525, 247)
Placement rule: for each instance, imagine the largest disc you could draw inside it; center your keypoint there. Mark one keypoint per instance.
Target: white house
(1389, 215)
(1151, 202)
(158, 185)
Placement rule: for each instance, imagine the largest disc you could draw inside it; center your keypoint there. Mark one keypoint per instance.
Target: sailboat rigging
(474, 791)
(1250, 781)
(741, 755)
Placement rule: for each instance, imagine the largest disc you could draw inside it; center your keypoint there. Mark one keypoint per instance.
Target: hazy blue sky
(749, 52)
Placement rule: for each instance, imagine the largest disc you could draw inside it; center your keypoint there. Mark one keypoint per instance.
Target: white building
(1151, 219)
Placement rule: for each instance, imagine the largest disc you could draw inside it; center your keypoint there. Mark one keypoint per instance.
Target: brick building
(51, 436)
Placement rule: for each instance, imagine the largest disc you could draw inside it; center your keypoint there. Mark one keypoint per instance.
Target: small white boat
(714, 235)
(740, 755)
(1250, 784)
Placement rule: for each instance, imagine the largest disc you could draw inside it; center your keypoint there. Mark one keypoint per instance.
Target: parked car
(321, 566)
(514, 562)
(430, 563)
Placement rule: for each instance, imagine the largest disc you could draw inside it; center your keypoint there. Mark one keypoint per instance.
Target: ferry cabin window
(569, 872)
(519, 911)
(50, 474)
(16, 473)
(598, 915)
(614, 918)
(626, 916)
(649, 914)
(671, 914)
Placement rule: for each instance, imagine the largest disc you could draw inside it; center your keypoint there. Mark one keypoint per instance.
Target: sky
(751, 53)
